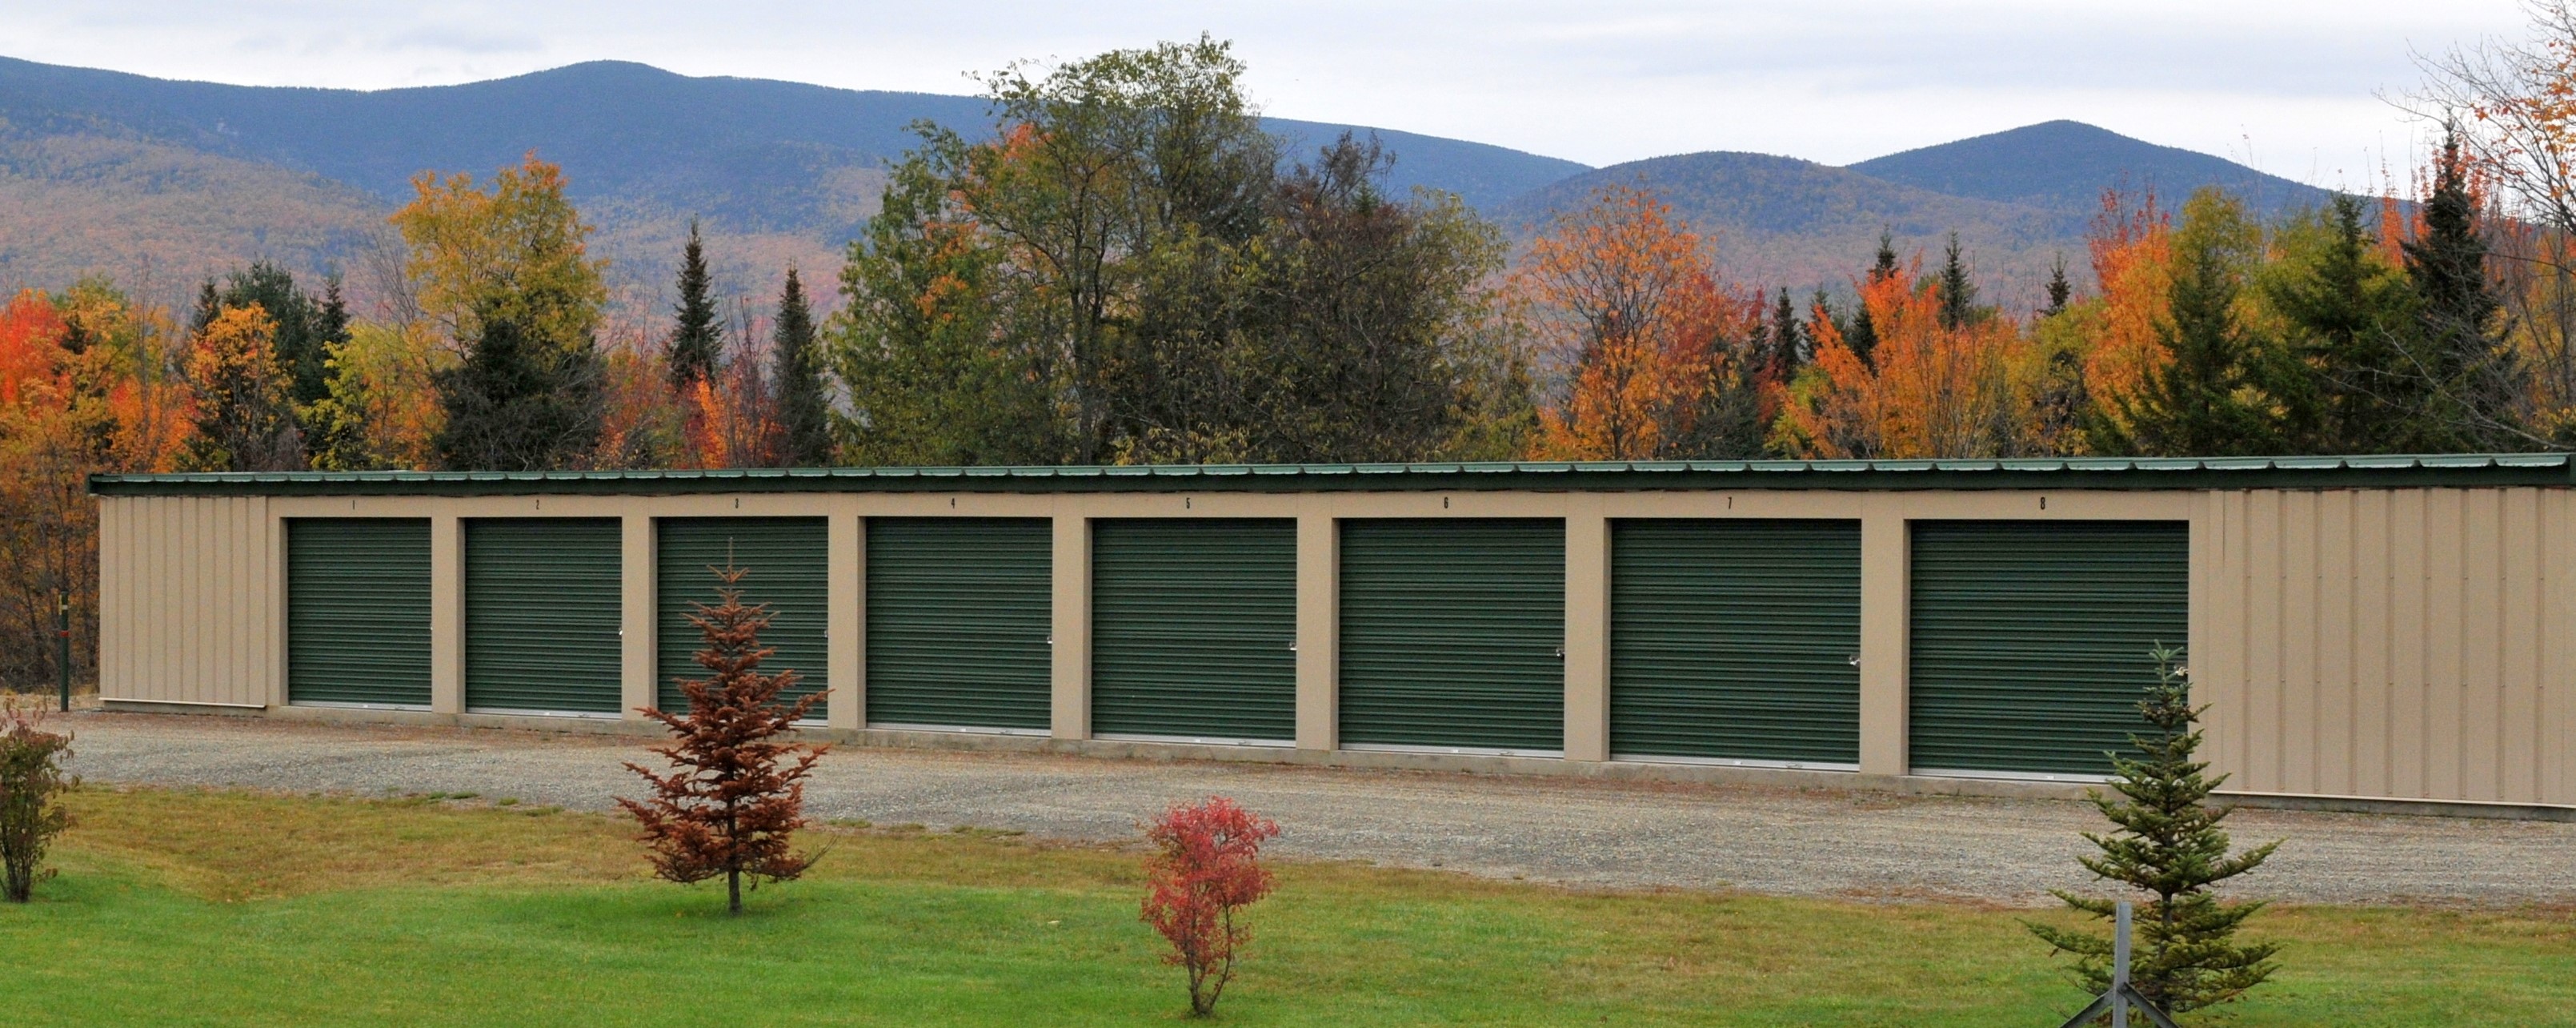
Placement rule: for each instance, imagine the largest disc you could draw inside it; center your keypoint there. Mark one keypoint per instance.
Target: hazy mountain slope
(779, 171)
(614, 125)
(157, 217)
(1782, 221)
(2065, 165)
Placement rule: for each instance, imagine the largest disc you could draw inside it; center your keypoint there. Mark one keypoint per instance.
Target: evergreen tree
(697, 335)
(804, 428)
(2217, 394)
(1885, 265)
(518, 402)
(1957, 291)
(2059, 289)
(2346, 312)
(2458, 346)
(1787, 351)
(2168, 843)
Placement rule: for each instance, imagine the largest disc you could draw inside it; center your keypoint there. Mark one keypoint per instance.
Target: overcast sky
(2290, 86)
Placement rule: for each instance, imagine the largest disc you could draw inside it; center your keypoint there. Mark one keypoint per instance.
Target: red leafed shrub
(1206, 868)
(729, 806)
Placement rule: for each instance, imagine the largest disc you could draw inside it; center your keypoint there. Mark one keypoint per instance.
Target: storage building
(2363, 630)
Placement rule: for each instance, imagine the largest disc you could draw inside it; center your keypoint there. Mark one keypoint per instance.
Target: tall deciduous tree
(804, 425)
(939, 368)
(732, 802)
(1359, 337)
(697, 331)
(1630, 313)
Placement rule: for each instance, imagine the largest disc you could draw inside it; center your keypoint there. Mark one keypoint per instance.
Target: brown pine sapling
(728, 807)
(1206, 868)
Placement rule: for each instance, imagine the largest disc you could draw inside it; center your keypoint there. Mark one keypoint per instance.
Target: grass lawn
(225, 908)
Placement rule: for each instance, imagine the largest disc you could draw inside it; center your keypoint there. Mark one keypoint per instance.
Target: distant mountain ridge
(781, 171)
(165, 181)
(2020, 200)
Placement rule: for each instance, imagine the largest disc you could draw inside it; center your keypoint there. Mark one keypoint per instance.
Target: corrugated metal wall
(189, 591)
(2404, 643)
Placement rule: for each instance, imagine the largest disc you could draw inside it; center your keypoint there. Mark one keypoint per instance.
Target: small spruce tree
(697, 332)
(2059, 289)
(804, 425)
(728, 807)
(2168, 844)
(1956, 289)
(1788, 347)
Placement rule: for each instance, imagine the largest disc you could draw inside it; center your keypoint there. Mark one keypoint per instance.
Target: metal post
(63, 643)
(2120, 969)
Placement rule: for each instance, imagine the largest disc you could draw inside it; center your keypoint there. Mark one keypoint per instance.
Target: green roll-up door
(959, 610)
(789, 565)
(1194, 628)
(357, 611)
(2031, 638)
(1734, 639)
(541, 615)
(1452, 633)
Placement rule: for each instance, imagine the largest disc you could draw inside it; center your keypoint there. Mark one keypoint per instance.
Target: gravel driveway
(1621, 834)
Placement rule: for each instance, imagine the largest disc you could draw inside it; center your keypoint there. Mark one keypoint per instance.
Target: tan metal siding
(189, 600)
(2391, 643)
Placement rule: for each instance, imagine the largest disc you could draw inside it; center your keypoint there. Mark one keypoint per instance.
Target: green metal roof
(2513, 469)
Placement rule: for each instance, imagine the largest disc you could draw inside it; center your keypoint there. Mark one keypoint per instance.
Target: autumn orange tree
(1654, 351)
(1931, 385)
(88, 383)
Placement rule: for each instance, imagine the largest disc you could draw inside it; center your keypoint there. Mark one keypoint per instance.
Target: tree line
(1129, 270)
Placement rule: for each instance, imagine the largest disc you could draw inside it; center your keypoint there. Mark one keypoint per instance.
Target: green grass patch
(227, 908)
